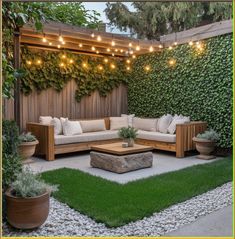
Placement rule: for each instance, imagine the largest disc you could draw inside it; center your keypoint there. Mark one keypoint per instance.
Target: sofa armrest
(45, 135)
(184, 136)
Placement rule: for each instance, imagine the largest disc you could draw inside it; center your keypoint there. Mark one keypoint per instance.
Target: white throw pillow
(92, 125)
(71, 128)
(118, 122)
(45, 119)
(172, 127)
(58, 129)
(164, 122)
(62, 120)
(130, 118)
(145, 124)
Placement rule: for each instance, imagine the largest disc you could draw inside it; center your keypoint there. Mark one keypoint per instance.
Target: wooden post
(17, 83)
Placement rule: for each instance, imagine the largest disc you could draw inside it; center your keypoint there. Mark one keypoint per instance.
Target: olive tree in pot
(128, 134)
(27, 145)
(27, 200)
(205, 143)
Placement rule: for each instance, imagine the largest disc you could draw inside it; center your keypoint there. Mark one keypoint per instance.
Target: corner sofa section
(51, 144)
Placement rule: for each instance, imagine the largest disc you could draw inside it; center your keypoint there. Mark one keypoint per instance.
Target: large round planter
(27, 149)
(27, 213)
(205, 148)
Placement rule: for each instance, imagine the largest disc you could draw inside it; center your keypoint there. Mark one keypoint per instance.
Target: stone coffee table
(113, 157)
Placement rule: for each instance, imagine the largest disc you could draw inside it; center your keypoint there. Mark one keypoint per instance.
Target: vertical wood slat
(64, 104)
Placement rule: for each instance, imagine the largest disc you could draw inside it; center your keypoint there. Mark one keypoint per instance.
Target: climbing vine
(46, 69)
(198, 83)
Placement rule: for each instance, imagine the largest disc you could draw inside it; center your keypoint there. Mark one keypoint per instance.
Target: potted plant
(128, 134)
(27, 145)
(27, 200)
(205, 143)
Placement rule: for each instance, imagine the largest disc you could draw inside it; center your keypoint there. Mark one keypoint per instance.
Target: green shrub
(209, 135)
(27, 137)
(198, 85)
(29, 184)
(127, 133)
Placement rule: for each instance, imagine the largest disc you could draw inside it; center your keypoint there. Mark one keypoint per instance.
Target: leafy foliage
(27, 137)
(127, 133)
(29, 184)
(11, 161)
(209, 135)
(88, 78)
(159, 18)
(199, 85)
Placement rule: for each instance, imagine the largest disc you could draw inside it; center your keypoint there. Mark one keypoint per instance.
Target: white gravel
(64, 221)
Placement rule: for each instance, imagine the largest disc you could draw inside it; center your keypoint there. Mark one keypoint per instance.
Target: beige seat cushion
(157, 136)
(118, 122)
(86, 137)
(145, 124)
(92, 125)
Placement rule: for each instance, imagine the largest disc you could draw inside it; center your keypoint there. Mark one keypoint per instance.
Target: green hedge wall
(51, 74)
(199, 84)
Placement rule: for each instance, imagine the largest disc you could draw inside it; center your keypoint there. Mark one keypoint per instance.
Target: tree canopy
(152, 19)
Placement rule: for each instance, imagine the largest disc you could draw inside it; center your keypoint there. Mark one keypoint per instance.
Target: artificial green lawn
(115, 204)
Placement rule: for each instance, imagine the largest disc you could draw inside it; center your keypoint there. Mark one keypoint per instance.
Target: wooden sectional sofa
(47, 145)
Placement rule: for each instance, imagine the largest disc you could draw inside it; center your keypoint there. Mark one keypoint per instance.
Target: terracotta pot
(27, 149)
(205, 148)
(27, 213)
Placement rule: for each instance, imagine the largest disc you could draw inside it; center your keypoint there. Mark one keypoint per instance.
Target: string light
(106, 60)
(63, 43)
(99, 38)
(63, 56)
(116, 50)
(190, 43)
(97, 52)
(175, 43)
(160, 46)
(113, 54)
(39, 62)
(121, 50)
(147, 68)
(84, 65)
(50, 43)
(137, 48)
(128, 68)
(134, 56)
(71, 61)
(59, 46)
(112, 66)
(170, 47)
(80, 45)
(100, 68)
(44, 38)
(93, 48)
(172, 62)
(92, 35)
(151, 49)
(130, 44)
(197, 43)
(61, 38)
(62, 64)
(131, 52)
(108, 49)
(29, 62)
(128, 61)
(113, 43)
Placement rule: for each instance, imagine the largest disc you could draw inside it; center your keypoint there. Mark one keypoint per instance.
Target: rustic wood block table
(113, 157)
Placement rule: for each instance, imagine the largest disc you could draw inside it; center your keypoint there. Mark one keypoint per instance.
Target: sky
(99, 7)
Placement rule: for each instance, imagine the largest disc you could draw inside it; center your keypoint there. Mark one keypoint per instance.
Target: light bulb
(61, 39)
(131, 52)
(92, 35)
(170, 47)
(44, 39)
(62, 64)
(151, 49)
(108, 50)
(113, 54)
(128, 68)
(112, 66)
(134, 56)
(128, 61)
(39, 61)
(106, 60)
(113, 43)
(63, 56)
(50, 43)
(63, 43)
(99, 38)
(59, 46)
(116, 50)
(130, 44)
(147, 68)
(175, 43)
(80, 45)
(29, 62)
(190, 43)
(160, 46)
(172, 62)
(71, 61)
(121, 50)
(93, 48)
(97, 52)
(137, 48)
(84, 65)
(100, 67)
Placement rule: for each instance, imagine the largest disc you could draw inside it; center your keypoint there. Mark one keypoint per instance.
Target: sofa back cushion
(92, 125)
(164, 122)
(45, 119)
(130, 118)
(71, 128)
(177, 120)
(145, 124)
(58, 129)
(118, 122)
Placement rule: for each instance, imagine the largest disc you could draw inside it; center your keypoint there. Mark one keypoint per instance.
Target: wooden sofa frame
(46, 147)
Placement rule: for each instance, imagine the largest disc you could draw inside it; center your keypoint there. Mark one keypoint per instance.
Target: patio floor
(162, 163)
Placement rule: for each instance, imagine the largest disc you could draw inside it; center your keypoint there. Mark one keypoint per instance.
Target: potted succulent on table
(128, 134)
(27, 200)
(205, 143)
(27, 145)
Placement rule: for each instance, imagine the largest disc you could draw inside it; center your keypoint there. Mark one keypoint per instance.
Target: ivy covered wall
(46, 69)
(197, 83)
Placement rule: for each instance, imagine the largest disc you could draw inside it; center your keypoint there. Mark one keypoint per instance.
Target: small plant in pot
(128, 134)
(205, 143)
(27, 200)
(27, 145)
